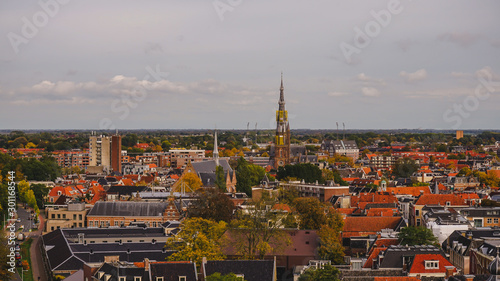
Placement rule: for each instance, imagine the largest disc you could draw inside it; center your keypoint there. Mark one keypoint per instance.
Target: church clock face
(281, 163)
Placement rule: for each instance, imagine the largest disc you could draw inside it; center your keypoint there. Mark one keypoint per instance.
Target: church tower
(282, 140)
(216, 150)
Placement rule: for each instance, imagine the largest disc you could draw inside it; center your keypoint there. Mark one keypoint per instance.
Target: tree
(228, 277)
(308, 172)
(405, 167)
(311, 213)
(40, 191)
(191, 180)
(416, 235)
(330, 247)
(220, 179)
(247, 176)
(258, 232)
(326, 273)
(211, 205)
(199, 238)
(22, 190)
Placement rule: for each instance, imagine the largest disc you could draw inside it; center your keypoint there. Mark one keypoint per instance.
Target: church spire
(282, 95)
(216, 150)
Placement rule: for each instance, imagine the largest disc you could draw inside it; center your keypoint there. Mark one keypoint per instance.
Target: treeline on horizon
(230, 139)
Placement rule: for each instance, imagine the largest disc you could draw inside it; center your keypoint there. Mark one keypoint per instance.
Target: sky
(98, 65)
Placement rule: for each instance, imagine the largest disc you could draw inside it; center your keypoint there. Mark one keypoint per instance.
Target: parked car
(18, 256)
(17, 248)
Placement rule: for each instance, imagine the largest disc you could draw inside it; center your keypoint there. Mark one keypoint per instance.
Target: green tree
(220, 179)
(199, 238)
(211, 204)
(40, 191)
(416, 235)
(326, 273)
(308, 172)
(247, 176)
(405, 167)
(228, 277)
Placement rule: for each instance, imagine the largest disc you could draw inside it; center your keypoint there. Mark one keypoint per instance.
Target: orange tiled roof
(346, 211)
(283, 207)
(410, 190)
(370, 224)
(381, 212)
(349, 179)
(367, 170)
(396, 278)
(378, 197)
(441, 199)
(373, 254)
(127, 182)
(418, 265)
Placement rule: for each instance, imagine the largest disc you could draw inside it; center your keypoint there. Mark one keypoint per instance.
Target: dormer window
(448, 203)
(431, 264)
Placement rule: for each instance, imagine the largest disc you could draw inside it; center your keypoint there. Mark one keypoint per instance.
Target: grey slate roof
(172, 271)
(135, 209)
(209, 166)
(393, 256)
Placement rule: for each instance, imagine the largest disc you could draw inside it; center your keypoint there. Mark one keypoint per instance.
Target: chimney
(146, 264)
(449, 271)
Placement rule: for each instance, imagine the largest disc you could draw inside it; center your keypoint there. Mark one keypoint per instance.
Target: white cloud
(338, 94)
(208, 90)
(370, 92)
(418, 75)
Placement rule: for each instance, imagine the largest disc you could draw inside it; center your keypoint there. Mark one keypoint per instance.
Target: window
(74, 217)
(122, 278)
(159, 278)
(182, 278)
(431, 264)
(53, 216)
(489, 220)
(417, 213)
(80, 217)
(418, 222)
(495, 220)
(137, 278)
(64, 216)
(58, 216)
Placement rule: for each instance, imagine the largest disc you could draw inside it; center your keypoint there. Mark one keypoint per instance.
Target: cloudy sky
(196, 64)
